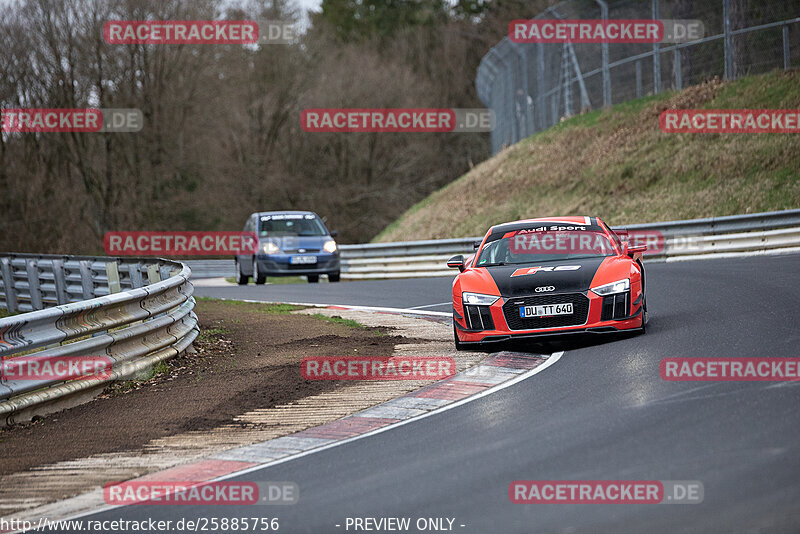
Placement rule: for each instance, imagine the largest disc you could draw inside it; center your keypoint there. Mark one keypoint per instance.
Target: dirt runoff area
(247, 357)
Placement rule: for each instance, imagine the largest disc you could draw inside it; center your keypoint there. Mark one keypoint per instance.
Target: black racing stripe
(563, 281)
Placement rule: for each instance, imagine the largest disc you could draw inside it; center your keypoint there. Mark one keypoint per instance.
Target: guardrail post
(522, 54)
(676, 66)
(567, 84)
(786, 59)
(656, 55)
(8, 285)
(153, 274)
(34, 287)
(60, 280)
(87, 285)
(135, 274)
(585, 102)
(540, 105)
(727, 39)
(638, 65)
(604, 53)
(112, 274)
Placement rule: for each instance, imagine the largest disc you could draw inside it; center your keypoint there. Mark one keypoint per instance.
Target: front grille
(478, 317)
(580, 309)
(616, 306)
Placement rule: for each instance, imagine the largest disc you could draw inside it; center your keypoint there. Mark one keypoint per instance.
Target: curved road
(601, 412)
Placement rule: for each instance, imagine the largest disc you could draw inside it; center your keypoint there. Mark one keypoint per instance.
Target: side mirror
(631, 250)
(334, 233)
(456, 262)
(476, 244)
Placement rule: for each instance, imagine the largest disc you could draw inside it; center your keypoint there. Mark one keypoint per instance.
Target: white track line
(547, 363)
(349, 307)
(431, 305)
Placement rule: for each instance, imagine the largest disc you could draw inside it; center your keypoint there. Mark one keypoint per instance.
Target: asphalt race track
(601, 412)
(402, 293)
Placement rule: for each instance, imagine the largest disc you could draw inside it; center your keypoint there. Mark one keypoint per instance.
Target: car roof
(582, 220)
(285, 212)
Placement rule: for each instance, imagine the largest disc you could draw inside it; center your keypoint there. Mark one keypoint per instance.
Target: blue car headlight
(270, 248)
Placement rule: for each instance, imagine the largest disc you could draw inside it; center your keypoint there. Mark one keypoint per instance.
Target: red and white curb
(496, 372)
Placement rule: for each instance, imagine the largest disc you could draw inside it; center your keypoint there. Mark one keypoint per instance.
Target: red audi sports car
(548, 276)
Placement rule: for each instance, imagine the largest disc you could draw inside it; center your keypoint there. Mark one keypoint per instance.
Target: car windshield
(299, 225)
(540, 244)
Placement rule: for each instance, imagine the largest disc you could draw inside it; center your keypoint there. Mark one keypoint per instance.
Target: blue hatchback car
(290, 243)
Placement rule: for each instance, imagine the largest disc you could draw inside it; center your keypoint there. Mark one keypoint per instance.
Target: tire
(241, 279)
(459, 345)
(258, 278)
(643, 329)
(313, 278)
(333, 277)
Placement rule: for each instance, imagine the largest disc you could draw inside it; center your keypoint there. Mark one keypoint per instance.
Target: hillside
(619, 165)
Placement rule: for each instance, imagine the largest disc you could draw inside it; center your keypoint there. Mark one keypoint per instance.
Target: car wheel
(258, 278)
(313, 278)
(241, 279)
(644, 317)
(459, 344)
(333, 277)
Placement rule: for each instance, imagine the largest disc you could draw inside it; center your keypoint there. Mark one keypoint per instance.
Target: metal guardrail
(682, 239)
(134, 313)
(768, 220)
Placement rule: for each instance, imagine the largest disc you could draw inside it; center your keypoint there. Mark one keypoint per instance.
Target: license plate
(546, 310)
(302, 260)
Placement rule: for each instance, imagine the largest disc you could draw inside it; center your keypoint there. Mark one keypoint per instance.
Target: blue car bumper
(281, 264)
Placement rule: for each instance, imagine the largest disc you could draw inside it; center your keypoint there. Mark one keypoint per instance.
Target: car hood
(574, 275)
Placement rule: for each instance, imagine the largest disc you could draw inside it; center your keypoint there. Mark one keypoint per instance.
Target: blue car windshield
(299, 225)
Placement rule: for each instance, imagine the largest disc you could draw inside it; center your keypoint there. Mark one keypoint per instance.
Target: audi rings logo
(542, 289)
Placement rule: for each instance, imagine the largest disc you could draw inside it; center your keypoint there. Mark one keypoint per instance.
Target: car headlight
(479, 299)
(270, 248)
(329, 246)
(619, 286)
